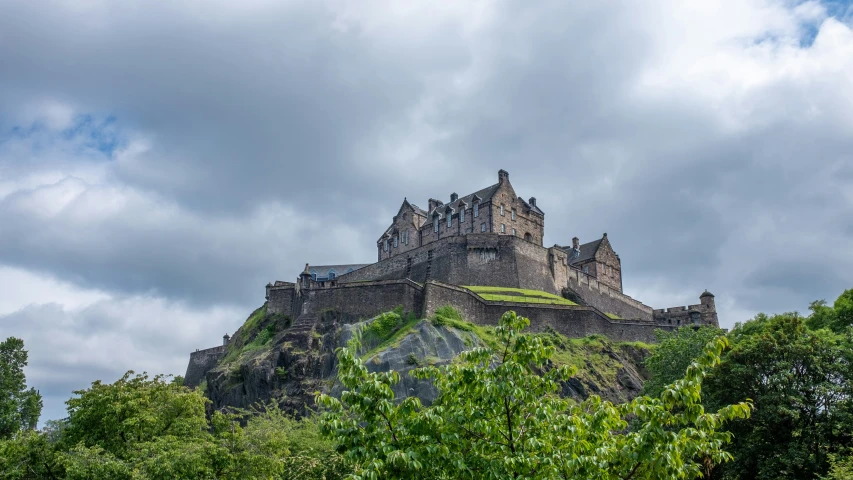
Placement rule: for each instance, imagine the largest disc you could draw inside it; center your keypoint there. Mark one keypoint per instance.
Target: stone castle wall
(605, 298)
(500, 260)
(201, 361)
(570, 320)
(281, 299)
(359, 301)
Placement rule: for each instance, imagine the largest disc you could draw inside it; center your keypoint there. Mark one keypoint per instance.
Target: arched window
(528, 237)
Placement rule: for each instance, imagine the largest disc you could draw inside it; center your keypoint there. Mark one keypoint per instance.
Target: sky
(160, 162)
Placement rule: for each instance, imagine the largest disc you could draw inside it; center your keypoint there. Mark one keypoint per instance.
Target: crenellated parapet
(703, 313)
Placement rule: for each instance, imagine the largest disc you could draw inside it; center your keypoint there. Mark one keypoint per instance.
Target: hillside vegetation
(507, 294)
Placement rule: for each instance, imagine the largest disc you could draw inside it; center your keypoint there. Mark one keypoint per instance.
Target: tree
(837, 318)
(498, 415)
(20, 407)
(801, 382)
(675, 352)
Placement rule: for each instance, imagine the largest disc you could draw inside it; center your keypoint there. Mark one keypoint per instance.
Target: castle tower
(710, 315)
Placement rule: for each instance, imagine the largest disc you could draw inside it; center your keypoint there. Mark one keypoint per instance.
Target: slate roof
(532, 208)
(484, 195)
(587, 252)
(420, 211)
(323, 270)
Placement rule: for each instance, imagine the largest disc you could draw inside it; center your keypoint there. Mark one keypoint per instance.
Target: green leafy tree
(837, 317)
(498, 415)
(20, 407)
(801, 382)
(675, 352)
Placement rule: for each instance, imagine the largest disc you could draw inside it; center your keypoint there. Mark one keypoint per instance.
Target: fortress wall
(605, 298)
(281, 300)
(201, 361)
(487, 259)
(473, 259)
(533, 264)
(681, 315)
(572, 321)
(359, 301)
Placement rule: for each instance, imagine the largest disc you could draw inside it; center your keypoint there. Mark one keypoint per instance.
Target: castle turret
(305, 278)
(710, 315)
(269, 286)
(225, 339)
(707, 298)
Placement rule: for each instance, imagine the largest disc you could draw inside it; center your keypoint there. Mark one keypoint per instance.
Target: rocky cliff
(274, 357)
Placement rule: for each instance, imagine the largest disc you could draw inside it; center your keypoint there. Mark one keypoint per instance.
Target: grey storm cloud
(175, 157)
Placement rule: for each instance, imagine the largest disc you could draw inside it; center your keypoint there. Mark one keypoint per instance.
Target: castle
(491, 237)
(428, 257)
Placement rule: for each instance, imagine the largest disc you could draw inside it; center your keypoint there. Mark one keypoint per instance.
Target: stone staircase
(301, 331)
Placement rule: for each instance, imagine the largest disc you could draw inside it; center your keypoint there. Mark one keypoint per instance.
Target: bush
(447, 316)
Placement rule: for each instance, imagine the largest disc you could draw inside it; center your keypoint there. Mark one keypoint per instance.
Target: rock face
(274, 358)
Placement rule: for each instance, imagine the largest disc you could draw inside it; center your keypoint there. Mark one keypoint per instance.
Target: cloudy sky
(161, 161)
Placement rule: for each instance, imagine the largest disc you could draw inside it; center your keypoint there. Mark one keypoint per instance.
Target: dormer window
(314, 276)
(449, 219)
(476, 209)
(331, 275)
(435, 224)
(462, 214)
(385, 245)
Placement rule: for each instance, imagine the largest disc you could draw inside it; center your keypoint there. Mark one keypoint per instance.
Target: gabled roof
(418, 210)
(587, 252)
(483, 195)
(533, 208)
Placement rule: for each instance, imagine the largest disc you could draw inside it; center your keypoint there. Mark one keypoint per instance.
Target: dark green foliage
(801, 381)
(448, 316)
(20, 407)
(675, 352)
(497, 416)
(837, 318)
(381, 327)
(153, 428)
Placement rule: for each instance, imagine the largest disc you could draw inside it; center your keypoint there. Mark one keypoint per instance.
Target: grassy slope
(520, 295)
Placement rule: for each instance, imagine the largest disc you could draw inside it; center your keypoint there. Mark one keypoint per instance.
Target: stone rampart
(681, 315)
(352, 302)
(280, 298)
(571, 320)
(606, 299)
(472, 259)
(201, 361)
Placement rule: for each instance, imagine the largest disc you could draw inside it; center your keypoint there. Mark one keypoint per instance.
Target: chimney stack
(532, 201)
(453, 197)
(502, 175)
(576, 243)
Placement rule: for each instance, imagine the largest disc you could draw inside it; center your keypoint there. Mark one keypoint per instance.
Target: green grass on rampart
(520, 295)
